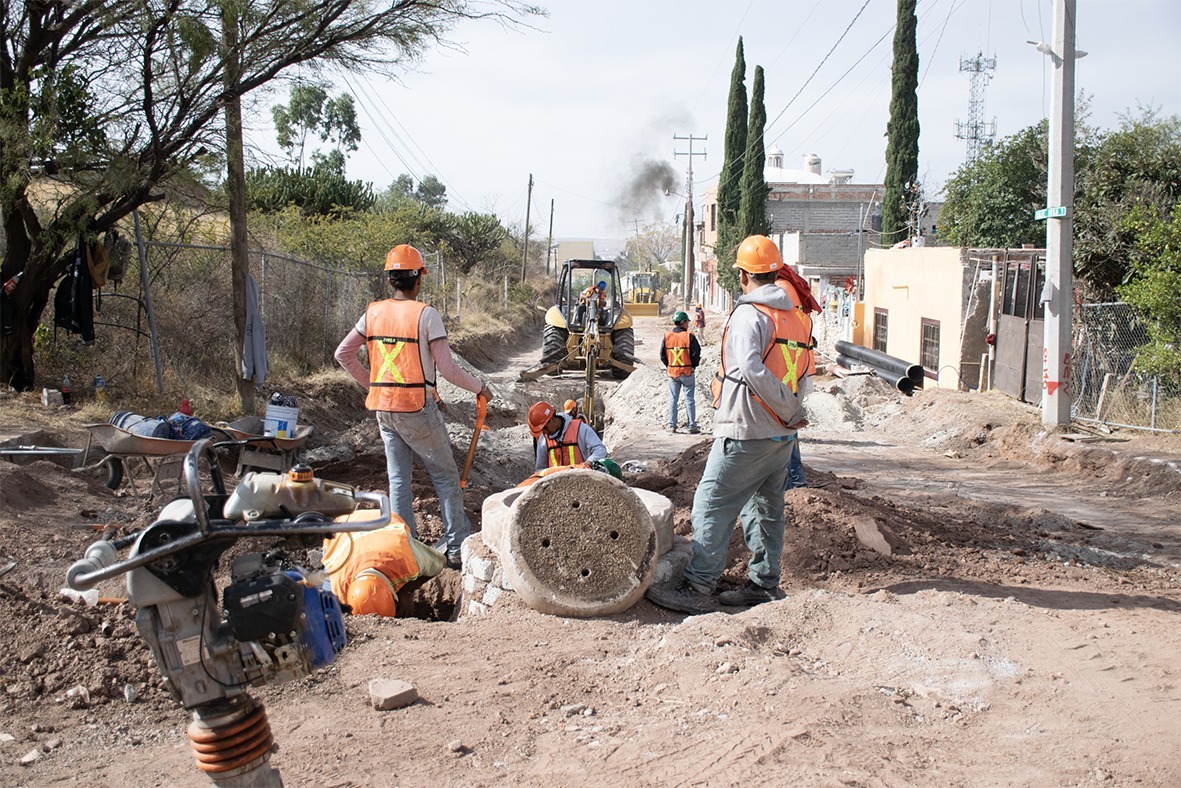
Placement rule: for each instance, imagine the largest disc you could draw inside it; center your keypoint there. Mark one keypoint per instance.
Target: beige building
(929, 306)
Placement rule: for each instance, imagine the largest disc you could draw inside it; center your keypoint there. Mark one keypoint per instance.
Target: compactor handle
(98, 556)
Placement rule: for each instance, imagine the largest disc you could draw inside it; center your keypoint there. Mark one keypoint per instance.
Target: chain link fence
(307, 308)
(1107, 387)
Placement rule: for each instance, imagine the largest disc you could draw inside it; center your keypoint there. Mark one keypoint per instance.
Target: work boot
(670, 428)
(751, 594)
(685, 597)
(454, 561)
(694, 431)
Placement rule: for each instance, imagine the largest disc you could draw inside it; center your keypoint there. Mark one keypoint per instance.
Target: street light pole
(687, 291)
(1057, 296)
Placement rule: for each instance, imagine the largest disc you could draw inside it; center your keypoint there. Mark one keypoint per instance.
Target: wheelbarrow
(162, 457)
(257, 450)
(110, 469)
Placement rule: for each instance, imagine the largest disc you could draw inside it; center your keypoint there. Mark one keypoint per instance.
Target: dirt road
(1023, 632)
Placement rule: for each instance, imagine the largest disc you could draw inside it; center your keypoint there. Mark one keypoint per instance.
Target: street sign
(1050, 213)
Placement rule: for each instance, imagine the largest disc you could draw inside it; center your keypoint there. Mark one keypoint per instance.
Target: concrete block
(670, 566)
(479, 567)
(491, 594)
(386, 694)
(660, 509)
(472, 585)
(475, 608)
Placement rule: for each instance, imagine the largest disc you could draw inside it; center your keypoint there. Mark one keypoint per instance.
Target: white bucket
(280, 421)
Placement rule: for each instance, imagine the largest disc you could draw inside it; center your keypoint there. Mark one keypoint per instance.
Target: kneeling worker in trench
(758, 411)
(562, 441)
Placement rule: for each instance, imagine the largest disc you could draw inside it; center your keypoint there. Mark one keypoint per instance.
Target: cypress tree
(752, 215)
(902, 130)
(730, 180)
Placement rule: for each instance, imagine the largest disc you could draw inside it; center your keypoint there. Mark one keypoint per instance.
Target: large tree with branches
(104, 104)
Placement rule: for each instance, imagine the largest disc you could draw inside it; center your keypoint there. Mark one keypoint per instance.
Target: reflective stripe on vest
(790, 363)
(676, 354)
(564, 451)
(396, 380)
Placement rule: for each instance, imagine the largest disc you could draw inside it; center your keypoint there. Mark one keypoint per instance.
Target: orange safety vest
(797, 302)
(676, 354)
(565, 451)
(396, 379)
(385, 549)
(787, 354)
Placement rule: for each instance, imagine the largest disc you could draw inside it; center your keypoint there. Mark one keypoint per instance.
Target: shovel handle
(481, 413)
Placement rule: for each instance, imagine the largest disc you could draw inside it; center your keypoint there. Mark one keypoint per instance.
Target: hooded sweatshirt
(739, 415)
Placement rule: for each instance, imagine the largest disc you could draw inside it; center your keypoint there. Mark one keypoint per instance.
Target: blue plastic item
(324, 635)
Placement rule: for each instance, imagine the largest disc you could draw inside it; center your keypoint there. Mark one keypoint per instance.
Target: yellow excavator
(593, 333)
(642, 293)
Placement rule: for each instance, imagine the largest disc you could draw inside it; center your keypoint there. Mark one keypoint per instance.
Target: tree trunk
(236, 185)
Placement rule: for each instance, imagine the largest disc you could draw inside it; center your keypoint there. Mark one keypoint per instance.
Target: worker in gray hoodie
(758, 406)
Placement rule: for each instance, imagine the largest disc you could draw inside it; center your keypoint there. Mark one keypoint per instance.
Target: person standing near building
(407, 347)
(754, 426)
(699, 314)
(681, 354)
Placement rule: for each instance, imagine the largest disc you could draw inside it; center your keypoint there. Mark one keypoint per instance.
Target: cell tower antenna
(975, 130)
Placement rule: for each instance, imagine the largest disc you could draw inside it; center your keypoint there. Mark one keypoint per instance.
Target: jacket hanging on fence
(73, 304)
(254, 347)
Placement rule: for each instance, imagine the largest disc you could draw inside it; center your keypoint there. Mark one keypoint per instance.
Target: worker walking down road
(407, 346)
(754, 430)
(561, 440)
(681, 354)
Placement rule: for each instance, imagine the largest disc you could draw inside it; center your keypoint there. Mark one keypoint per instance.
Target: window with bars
(881, 328)
(929, 351)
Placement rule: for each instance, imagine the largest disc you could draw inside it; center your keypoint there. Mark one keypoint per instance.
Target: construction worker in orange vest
(367, 569)
(680, 353)
(561, 440)
(408, 347)
(757, 413)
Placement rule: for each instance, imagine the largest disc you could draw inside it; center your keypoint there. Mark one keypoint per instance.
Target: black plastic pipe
(900, 382)
(880, 360)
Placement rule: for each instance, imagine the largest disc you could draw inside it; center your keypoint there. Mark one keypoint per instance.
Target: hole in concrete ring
(545, 542)
(575, 504)
(614, 535)
(586, 573)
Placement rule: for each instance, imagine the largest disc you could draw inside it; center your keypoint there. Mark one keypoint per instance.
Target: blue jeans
(423, 433)
(742, 478)
(688, 383)
(795, 468)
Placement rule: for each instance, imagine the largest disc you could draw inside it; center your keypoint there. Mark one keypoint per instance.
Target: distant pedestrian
(699, 318)
(757, 410)
(681, 354)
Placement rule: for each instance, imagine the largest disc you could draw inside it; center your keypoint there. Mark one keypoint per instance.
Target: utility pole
(549, 244)
(1057, 295)
(528, 205)
(688, 288)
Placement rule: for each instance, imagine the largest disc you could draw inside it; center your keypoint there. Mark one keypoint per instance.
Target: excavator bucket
(642, 310)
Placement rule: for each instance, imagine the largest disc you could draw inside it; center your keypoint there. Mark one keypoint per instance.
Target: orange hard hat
(757, 254)
(372, 592)
(404, 257)
(539, 416)
(570, 406)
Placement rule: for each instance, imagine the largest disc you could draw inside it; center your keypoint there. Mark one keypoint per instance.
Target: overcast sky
(592, 97)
